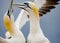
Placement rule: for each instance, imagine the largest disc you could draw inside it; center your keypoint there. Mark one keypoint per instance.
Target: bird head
(8, 21)
(9, 18)
(30, 7)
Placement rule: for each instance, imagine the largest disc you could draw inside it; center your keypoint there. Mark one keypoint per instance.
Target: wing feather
(39, 3)
(46, 6)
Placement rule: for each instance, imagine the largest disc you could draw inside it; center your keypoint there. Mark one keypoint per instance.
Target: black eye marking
(8, 13)
(27, 5)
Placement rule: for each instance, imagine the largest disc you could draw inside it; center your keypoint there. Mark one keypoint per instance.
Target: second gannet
(20, 21)
(34, 9)
(16, 34)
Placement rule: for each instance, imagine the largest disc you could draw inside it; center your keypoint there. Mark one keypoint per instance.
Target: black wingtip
(50, 4)
(52, 0)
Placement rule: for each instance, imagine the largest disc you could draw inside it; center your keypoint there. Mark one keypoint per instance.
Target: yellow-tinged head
(33, 7)
(32, 10)
(29, 7)
(8, 22)
(9, 19)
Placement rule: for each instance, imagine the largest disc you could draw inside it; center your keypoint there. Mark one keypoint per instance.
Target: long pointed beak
(19, 5)
(10, 10)
(11, 6)
(23, 6)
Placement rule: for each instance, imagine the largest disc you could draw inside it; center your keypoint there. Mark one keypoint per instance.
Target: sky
(50, 23)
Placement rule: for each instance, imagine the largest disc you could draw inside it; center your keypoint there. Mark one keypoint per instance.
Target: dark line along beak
(20, 6)
(10, 10)
(11, 6)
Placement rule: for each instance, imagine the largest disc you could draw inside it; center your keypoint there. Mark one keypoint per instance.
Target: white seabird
(39, 7)
(16, 34)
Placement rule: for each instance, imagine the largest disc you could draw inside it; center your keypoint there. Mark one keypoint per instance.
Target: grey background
(50, 23)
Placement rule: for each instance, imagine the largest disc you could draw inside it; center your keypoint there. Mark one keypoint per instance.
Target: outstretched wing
(39, 3)
(45, 6)
(21, 19)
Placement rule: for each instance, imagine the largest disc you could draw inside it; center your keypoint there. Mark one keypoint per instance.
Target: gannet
(36, 9)
(16, 34)
(20, 21)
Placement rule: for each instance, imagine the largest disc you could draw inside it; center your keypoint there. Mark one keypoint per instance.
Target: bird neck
(34, 24)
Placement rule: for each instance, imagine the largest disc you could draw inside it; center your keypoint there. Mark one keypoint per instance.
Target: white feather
(39, 3)
(17, 36)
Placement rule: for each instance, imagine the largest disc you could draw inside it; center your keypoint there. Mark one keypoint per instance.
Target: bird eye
(27, 5)
(8, 14)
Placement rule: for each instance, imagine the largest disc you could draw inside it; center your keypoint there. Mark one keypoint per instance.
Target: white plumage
(16, 35)
(20, 21)
(36, 8)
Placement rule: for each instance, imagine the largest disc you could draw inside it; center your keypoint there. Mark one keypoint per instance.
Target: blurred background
(50, 23)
